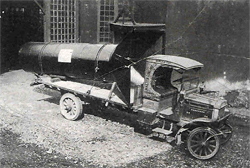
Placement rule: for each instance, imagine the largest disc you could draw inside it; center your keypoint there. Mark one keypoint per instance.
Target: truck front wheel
(70, 106)
(203, 143)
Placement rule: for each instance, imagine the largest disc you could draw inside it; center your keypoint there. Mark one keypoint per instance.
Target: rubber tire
(225, 140)
(203, 130)
(77, 106)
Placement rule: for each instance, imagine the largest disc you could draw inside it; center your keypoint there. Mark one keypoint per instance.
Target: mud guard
(224, 119)
(198, 121)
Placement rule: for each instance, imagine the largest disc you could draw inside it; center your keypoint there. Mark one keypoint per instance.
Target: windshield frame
(193, 85)
(187, 80)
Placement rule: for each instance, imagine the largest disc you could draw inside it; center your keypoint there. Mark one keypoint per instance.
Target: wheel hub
(68, 108)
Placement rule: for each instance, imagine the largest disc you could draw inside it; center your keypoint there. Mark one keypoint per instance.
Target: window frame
(99, 20)
(64, 37)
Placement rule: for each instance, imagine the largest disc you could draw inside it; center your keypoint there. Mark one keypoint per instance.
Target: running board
(162, 131)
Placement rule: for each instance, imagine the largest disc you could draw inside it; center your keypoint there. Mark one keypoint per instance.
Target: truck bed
(82, 89)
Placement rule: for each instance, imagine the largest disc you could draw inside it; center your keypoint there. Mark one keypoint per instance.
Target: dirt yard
(31, 126)
(36, 117)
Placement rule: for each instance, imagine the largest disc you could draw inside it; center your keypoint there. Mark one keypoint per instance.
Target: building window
(63, 21)
(108, 11)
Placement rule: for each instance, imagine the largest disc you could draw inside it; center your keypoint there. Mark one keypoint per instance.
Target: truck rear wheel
(203, 143)
(70, 106)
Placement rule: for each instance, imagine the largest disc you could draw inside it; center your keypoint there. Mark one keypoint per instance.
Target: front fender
(225, 118)
(186, 126)
(193, 122)
(206, 121)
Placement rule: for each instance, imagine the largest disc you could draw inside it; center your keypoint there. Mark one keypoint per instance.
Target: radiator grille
(197, 109)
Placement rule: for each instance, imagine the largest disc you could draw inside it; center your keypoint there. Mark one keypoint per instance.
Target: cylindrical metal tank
(69, 59)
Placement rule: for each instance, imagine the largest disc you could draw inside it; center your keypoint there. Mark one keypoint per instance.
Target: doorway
(21, 22)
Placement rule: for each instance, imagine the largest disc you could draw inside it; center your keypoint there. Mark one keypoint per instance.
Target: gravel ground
(16, 153)
(32, 126)
(36, 117)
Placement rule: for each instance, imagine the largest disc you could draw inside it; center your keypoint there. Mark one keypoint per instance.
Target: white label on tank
(65, 55)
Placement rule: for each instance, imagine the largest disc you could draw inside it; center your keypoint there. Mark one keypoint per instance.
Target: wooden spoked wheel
(227, 131)
(70, 106)
(203, 143)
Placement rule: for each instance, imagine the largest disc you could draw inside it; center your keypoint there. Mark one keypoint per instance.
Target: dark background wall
(88, 16)
(215, 33)
(218, 37)
(150, 11)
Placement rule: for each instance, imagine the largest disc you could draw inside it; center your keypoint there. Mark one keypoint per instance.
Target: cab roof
(176, 61)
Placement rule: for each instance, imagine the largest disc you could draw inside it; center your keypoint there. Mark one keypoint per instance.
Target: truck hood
(216, 102)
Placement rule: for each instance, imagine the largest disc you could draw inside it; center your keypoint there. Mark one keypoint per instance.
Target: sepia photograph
(124, 84)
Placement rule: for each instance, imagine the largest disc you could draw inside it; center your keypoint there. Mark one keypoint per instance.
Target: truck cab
(165, 77)
(171, 91)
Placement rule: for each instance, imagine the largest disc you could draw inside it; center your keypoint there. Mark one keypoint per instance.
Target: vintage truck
(161, 90)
